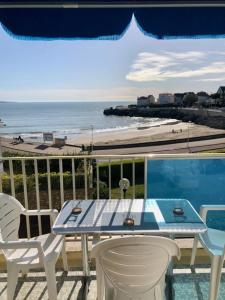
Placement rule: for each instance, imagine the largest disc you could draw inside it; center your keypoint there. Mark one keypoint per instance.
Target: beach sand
(173, 130)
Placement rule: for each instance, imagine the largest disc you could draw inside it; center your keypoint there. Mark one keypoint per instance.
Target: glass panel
(201, 181)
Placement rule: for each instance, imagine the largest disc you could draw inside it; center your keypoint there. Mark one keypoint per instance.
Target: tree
(190, 99)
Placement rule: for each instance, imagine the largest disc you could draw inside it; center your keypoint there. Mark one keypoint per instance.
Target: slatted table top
(107, 216)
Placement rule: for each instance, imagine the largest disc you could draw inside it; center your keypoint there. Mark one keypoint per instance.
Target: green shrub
(103, 191)
(43, 182)
(127, 173)
(42, 164)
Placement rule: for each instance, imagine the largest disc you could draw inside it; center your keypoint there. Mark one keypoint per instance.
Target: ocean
(69, 119)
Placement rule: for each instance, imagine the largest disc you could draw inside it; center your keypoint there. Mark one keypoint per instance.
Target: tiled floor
(188, 285)
(194, 284)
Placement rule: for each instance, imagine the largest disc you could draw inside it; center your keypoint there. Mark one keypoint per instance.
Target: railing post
(1, 183)
(1, 172)
(133, 178)
(61, 181)
(25, 196)
(12, 178)
(145, 177)
(110, 180)
(73, 179)
(85, 178)
(121, 176)
(98, 192)
(49, 184)
(37, 194)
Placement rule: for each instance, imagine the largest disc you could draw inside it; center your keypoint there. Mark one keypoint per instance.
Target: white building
(203, 98)
(165, 98)
(145, 101)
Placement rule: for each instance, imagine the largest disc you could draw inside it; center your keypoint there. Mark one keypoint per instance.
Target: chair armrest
(53, 213)
(205, 208)
(24, 244)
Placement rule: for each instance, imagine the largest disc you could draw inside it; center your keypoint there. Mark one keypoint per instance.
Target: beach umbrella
(97, 19)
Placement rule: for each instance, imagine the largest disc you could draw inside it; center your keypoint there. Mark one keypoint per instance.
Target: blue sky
(135, 65)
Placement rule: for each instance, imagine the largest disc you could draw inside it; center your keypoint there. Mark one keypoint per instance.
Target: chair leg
(64, 257)
(213, 288)
(13, 273)
(194, 251)
(219, 272)
(100, 282)
(51, 280)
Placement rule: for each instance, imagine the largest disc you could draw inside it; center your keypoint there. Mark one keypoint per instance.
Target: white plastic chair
(133, 267)
(213, 242)
(25, 254)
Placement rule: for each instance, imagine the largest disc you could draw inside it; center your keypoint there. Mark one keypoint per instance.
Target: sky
(99, 70)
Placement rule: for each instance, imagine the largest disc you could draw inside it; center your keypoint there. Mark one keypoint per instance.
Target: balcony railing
(47, 182)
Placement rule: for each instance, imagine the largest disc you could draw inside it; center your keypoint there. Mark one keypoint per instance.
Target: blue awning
(63, 23)
(198, 22)
(51, 19)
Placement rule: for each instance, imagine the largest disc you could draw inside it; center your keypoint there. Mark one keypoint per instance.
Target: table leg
(86, 269)
(84, 247)
(169, 276)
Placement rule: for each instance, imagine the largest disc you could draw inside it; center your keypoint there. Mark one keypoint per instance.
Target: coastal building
(203, 98)
(178, 98)
(221, 92)
(145, 101)
(165, 98)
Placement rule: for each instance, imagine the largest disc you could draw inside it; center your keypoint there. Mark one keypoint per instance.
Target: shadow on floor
(187, 284)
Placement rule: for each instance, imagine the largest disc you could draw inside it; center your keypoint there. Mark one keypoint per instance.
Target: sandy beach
(173, 130)
(166, 132)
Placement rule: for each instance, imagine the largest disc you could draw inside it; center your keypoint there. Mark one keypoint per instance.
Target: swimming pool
(201, 181)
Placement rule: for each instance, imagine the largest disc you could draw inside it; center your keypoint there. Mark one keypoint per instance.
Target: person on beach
(20, 139)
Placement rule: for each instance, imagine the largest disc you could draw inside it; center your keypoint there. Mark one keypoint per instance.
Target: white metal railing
(87, 167)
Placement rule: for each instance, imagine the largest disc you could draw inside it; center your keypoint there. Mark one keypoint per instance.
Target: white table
(151, 216)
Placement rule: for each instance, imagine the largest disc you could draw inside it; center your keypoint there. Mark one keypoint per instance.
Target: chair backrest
(10, 210)
(201, 181)
(135, 265)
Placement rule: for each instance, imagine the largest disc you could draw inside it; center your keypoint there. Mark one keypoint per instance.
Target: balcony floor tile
(188, 284)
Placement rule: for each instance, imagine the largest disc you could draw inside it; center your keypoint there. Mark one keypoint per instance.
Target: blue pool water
(201, 181)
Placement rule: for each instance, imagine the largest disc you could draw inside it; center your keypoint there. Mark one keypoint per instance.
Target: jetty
(214, 118)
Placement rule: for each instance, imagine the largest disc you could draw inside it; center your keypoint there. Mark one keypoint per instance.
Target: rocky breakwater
(213, 118)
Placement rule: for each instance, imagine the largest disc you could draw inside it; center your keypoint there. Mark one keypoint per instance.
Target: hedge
(42, 165)
(43, 182)
(127, 173)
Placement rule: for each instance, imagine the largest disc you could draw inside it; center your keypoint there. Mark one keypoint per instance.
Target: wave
(139, 123)
(150, 123)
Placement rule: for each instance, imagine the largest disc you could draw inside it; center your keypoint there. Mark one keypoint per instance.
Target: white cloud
(162, 66)
(217, 79)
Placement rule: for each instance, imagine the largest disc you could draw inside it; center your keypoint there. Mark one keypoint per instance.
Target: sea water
(31, 119)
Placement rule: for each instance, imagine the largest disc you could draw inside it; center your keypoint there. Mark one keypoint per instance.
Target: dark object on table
(128, 222)
(76, 210)
(178, 211)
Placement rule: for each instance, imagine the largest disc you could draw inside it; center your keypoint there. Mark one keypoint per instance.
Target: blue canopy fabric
(198, 22)
(66, 23)
(111, 23)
